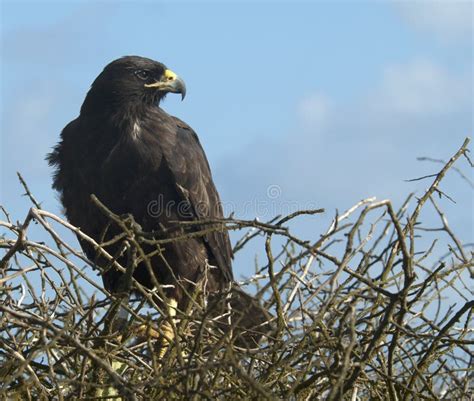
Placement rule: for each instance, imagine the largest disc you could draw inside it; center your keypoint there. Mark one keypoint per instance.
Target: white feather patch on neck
(136, 129)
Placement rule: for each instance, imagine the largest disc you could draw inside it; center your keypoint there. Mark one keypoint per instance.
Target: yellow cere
(170, 75)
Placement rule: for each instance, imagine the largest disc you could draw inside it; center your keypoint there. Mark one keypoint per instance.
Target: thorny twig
(364, 311)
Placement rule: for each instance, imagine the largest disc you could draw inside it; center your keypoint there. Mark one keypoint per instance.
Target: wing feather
(188, 163)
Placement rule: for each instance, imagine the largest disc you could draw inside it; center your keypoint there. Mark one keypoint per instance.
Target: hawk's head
(134, 79)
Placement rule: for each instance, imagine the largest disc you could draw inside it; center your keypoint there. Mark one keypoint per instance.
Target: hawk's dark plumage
(139, 160)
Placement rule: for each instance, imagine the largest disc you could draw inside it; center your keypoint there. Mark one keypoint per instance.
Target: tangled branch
(366, 311)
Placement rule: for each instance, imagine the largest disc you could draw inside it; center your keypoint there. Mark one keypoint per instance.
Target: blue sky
(329, 101)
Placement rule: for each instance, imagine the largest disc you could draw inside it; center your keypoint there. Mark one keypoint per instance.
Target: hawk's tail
(242, 314)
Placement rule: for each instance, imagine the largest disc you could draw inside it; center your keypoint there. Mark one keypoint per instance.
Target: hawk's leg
(166, 332)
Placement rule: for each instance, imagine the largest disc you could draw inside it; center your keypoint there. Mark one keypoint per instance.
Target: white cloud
(61, 42)
(340, 152)
(29, 122)
(314, 110)
(448, 19)
(420, 87)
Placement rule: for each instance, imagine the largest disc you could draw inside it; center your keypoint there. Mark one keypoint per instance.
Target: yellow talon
(166, 328)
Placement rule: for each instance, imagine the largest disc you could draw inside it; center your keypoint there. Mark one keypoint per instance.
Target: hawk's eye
(142, 74)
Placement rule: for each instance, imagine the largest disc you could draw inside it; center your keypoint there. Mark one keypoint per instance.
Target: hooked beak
(169, 82)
